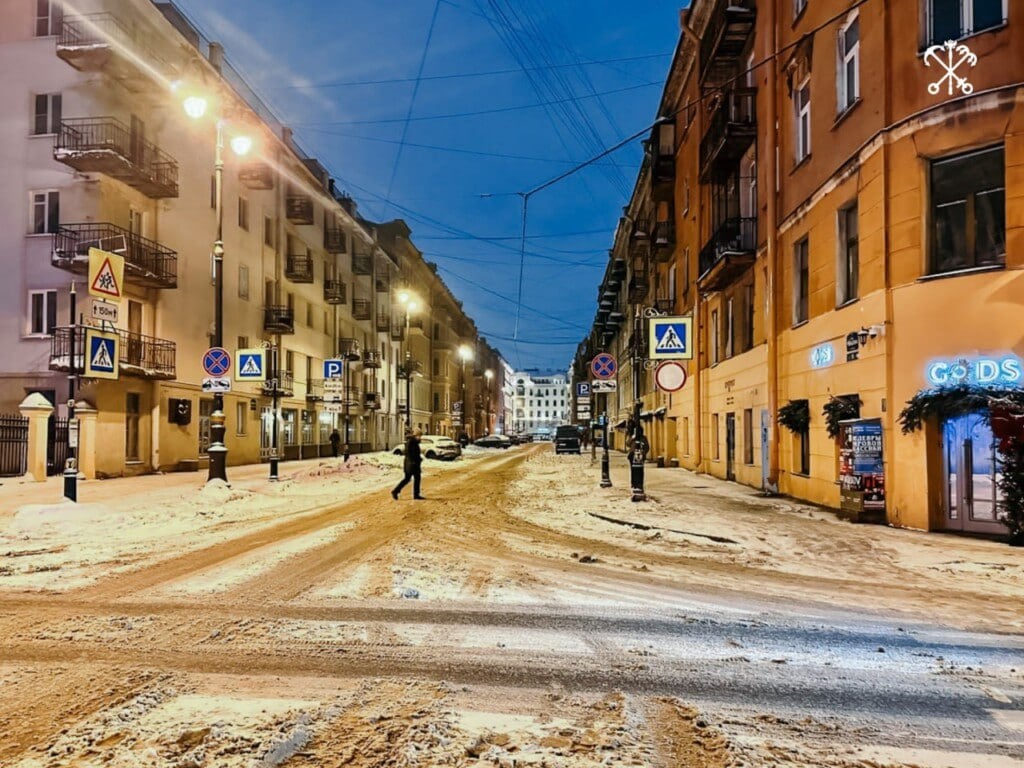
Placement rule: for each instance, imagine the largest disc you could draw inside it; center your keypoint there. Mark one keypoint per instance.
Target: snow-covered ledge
(38, 410)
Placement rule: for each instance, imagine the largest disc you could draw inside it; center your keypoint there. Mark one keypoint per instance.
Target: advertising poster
(862, 470)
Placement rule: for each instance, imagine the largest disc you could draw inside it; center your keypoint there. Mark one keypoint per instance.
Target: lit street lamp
(489, 375)
(195, 107)
(407, 300)
(465, 354)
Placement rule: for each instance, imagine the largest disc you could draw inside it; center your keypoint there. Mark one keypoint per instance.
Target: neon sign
(822, 356)
(977, 370)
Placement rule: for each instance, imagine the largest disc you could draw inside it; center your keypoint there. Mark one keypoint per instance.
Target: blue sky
(343, 75)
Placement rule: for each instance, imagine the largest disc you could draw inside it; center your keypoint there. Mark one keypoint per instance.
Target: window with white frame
(848, 65)
(45, 211)
(42, 312)
(802, 107)
(47, 115)
(48, 18)
(953, 19)
(848, 268)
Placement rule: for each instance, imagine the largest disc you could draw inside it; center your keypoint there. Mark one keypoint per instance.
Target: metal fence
(13, 445)
(56, 446)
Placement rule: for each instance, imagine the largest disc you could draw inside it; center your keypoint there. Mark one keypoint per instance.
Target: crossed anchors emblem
(949, 50)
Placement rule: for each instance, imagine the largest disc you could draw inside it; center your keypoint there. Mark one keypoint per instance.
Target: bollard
(636, 472)
(273, 469)
(70, 481)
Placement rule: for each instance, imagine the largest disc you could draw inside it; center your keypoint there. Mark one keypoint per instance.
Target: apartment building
(847, 232)
(542, 402)
(100, 153)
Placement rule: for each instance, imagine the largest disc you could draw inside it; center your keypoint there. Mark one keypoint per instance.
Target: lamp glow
(241, 145)
(195, 106)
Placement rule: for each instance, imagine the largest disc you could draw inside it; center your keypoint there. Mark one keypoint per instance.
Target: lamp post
(465, 353)
(408, 301)
(488, 375)
(195, 107)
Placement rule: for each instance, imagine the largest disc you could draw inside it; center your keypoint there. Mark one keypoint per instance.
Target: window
(686, 435)
(268, 231)
(47, 114)
(45, 212)
(243, 282)
(968, 209)
(42, 312)
(48, 18)
(848, 74)
(748, 436)
(798, 7)
(748, 317)
(800, 282)
(241, 418)
(686, 270)
(132, 412)
(953, 19)
(714, 336)
(802, 105)
(729, 328)
(848, 268)
(437, 401)
(715, 453)
(309, 313)
(243, 213)
(243, 342)
(804, 446)
(289, 362)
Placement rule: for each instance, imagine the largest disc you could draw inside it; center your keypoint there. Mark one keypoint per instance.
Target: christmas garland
(795, 416)
(839, 409)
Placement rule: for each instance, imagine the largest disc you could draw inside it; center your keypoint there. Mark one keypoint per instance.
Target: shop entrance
(730, 446)
(972, 469)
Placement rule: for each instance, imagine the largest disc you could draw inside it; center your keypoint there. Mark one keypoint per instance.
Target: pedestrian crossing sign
(670, 338)
(101, 355)
(250, 364)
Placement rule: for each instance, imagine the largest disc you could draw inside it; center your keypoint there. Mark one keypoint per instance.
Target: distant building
(541, 402)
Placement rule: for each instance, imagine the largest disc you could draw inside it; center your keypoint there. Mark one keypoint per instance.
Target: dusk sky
(512, 94)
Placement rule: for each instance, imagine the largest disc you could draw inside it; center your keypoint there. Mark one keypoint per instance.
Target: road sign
(334, 369)
(106, 274)
(216, 384)
(582, 389)
(597, 387)
(216, 362)
(104, 310)
(670, 376)
(72, 433)
(251, 364)
(334, 387)
(583, 413)
(457, 406)
(329, 407)
(101, 354)
(582, 401)
(603, 366)
(670, 338)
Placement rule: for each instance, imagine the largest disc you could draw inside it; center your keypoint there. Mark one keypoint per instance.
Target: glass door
(972, 476)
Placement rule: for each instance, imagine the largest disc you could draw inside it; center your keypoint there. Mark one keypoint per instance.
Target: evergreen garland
(795, 416)
(1011, 484)
(839, 409)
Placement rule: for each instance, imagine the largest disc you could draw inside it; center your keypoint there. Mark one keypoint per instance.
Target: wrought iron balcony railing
(731, 130)
(725, 38)
(256, 175)
(361, 309)
(299, 268)
(146, 262)
(299, 209)
(727, 254)
(362, 264)
(281, 385)
(138, 355)
(334, 240)
(383, 322)
(335, 291)
(106, 145)
(278, 319)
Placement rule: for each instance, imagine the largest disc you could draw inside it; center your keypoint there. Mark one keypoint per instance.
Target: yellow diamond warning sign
(106, 274)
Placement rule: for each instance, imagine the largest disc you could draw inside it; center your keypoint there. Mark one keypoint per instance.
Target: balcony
(334, 240)
(299, 209)
(664, 305)
(371, 401)
(314, 390)
(361, 309)
(639, 285)
(664, 241)
(335, 291)
(371, 359)
(725, 38)
(382, 284)
(398, 331)
(106, 145)
(299, 268)
(144, 357)
(383, 322)
(417, 324)
(362, 264)
(278, 319)
(728, 254)
(146, 262)
(662, 151)
(348, 349)
(283, 385)
(99, 43)
(256, 175)
(732, 128)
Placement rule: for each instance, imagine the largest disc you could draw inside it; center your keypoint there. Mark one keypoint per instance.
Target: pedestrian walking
(345, 452)
(413, 463)
(335, 439)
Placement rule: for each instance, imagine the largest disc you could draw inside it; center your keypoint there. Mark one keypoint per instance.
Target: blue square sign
(670, 338)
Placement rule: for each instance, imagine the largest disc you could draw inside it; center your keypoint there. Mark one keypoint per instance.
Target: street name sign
(106, 274)
(670, 338)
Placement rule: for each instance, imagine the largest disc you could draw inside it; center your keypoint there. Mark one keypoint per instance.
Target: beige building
(845, 235)
(100, 153)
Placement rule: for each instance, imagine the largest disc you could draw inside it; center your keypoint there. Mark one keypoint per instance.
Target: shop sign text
(978, 370)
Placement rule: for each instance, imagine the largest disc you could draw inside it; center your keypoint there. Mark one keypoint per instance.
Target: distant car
(567, 439)
(435, 447)
(493, 441)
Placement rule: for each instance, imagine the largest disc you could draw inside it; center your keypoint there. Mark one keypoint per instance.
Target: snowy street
(519, 616)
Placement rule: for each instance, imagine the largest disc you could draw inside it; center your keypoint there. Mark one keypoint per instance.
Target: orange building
(847, 220)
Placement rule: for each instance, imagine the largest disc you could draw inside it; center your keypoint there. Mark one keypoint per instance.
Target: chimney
(216, 56)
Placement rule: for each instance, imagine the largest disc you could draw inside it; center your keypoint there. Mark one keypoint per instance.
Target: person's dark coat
(413, 458)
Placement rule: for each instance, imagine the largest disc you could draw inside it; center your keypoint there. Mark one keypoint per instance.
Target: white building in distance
(541, 402)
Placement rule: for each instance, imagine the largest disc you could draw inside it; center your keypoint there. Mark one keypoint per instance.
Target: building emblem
(944, 55)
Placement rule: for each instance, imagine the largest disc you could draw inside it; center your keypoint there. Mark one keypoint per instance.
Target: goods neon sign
(977, 370)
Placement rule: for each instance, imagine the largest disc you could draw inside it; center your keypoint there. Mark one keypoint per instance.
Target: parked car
(567, 439)
(435, 447)
(493, 441)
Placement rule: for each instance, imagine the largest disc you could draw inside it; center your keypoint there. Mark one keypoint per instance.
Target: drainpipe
(771, 255)
(889, 465)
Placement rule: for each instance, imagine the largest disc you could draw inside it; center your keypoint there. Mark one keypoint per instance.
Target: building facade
(845, 226)
(102, 155)
(541, 402)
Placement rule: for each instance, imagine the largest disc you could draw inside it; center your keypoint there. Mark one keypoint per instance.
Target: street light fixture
(465, 354)
(407, 300)
(195, 106)
(489, 375)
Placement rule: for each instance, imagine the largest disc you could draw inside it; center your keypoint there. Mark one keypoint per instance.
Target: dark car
(493, 441)
(567, 439)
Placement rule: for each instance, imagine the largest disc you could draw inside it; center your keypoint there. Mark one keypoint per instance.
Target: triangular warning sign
(101, 360)
(670, 342)
(105, 282)
(250, 368)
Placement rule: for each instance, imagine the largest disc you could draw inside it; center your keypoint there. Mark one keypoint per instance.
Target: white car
(435, 447)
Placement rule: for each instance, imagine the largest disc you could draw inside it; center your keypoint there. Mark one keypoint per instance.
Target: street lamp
(407, 300)
(489, 375)
(195, 107)
(465, 354)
